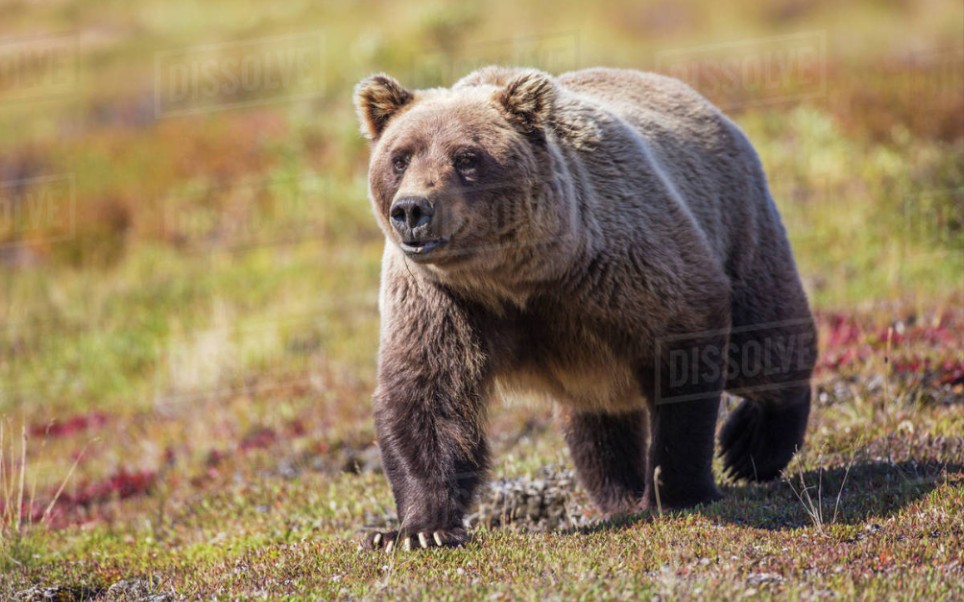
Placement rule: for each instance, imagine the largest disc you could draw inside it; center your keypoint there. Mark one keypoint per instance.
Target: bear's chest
(572, 362)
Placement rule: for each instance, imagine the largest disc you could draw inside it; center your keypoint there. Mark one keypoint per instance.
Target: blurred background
(189, 265)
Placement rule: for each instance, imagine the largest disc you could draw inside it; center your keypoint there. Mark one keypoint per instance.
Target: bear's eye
(400, 163)
(466, 162)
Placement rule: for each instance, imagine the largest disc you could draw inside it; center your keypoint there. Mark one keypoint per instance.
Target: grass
(815, 507)
(192, 365)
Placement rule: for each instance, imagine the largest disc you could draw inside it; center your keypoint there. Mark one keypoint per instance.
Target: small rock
(542, 504)
(55, 592)
(763, 578)
(142, 590)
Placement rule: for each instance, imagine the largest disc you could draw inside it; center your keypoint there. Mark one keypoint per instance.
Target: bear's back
(700, 153)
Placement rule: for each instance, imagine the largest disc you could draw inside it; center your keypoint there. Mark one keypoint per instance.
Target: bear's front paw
(405, 540)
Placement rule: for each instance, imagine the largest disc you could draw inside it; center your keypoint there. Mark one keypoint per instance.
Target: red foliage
(843, 331)
(258, 438)
(297, 428)
(952, 373)
(214, 458)
(73, 424)
(122, 484)
(846, 343)
(945, 372)
(841, 343)
(836, 359)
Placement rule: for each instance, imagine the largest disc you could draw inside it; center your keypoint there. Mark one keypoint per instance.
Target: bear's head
(464, 179)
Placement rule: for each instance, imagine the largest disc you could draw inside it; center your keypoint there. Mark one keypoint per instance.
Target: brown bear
(605, 237)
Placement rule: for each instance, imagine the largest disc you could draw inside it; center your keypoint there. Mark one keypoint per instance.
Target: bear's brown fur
(606, 237)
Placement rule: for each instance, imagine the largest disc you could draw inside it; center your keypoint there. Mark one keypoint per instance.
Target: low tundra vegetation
(185, 379)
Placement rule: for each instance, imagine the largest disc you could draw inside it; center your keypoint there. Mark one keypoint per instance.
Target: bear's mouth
(423, 247)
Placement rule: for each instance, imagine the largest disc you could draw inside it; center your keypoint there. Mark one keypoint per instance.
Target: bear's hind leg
(776, 362)
(609, 451)
(764, 432)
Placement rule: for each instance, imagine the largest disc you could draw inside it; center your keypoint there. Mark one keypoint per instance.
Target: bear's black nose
(409, 213)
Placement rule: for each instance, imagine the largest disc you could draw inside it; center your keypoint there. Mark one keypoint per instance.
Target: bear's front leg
(429, 414)
(434, 461)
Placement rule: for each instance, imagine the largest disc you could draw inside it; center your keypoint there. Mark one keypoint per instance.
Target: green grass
(203, 344)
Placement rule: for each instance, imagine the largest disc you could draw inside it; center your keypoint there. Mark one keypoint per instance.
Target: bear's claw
(390, 540)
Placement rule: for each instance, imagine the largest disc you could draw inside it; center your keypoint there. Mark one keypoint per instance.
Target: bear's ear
(527, 100)
(377, 98)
